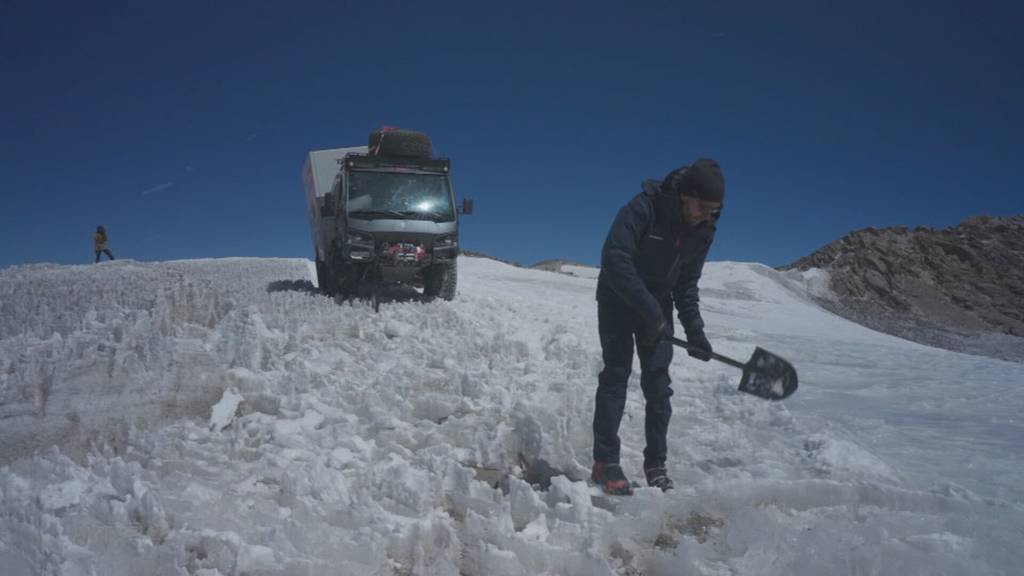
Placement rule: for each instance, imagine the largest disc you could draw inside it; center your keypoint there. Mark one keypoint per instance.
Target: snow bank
(220, 417)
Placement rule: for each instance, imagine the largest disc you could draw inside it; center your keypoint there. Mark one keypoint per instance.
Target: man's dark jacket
(651, 255)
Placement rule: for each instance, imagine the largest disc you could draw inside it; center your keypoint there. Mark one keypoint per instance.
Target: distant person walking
(99, 239)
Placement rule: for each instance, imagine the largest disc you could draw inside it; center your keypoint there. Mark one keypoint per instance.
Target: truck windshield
(400, 195)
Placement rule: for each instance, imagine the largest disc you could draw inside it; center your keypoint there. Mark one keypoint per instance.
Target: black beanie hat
(702, 179)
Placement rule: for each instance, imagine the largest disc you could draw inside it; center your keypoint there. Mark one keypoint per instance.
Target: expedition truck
(383, 213)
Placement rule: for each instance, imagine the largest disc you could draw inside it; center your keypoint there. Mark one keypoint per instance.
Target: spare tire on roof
(407, 143)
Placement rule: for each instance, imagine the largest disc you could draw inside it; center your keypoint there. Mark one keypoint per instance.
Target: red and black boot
(611, 479)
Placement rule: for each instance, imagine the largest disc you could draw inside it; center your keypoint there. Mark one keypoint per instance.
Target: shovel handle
(715, 355)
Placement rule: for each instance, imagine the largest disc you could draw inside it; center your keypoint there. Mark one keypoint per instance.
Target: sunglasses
(710, 212)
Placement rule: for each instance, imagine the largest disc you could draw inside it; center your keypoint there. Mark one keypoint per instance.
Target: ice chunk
(223, 412)
(63, 495)
(396, 329)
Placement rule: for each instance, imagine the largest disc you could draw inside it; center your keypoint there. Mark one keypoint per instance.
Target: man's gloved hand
(653, 333)
(700, 347)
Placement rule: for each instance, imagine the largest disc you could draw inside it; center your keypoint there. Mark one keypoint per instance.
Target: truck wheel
(346, 279)
(341, 279)
(451, 280)
(440, 281)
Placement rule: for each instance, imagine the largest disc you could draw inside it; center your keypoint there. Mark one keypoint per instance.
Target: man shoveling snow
(653, 256)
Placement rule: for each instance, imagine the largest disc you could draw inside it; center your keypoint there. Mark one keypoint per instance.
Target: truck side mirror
(467, 206)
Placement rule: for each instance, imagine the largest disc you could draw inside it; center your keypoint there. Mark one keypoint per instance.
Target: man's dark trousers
(617, 326)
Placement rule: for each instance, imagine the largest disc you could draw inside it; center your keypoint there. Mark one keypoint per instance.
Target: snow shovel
(765, 375)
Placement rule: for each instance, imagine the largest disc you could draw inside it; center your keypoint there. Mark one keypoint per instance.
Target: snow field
(220, 417)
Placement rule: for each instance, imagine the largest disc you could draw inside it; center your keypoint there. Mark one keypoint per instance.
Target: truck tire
(405, 143)
(451, 280)
(341, 279)
(346, 277)
(440, 281)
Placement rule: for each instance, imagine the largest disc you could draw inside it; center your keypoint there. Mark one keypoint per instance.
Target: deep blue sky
(182, 126)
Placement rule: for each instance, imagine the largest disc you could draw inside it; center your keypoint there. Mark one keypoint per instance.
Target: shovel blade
(768, 376)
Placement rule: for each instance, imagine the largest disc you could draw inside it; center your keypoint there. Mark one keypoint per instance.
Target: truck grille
(402, 254)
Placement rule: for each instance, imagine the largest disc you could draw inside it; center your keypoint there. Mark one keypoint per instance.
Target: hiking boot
(657, 477)
(611, 479)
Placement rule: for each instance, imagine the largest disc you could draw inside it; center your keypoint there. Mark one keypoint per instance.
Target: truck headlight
(356, 237)
(359, 246)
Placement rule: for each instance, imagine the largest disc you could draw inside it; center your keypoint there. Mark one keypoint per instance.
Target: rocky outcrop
(476, 254)
(960, 288)
(556, 264)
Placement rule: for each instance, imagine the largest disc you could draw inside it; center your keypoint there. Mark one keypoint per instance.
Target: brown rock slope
(960, 288)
